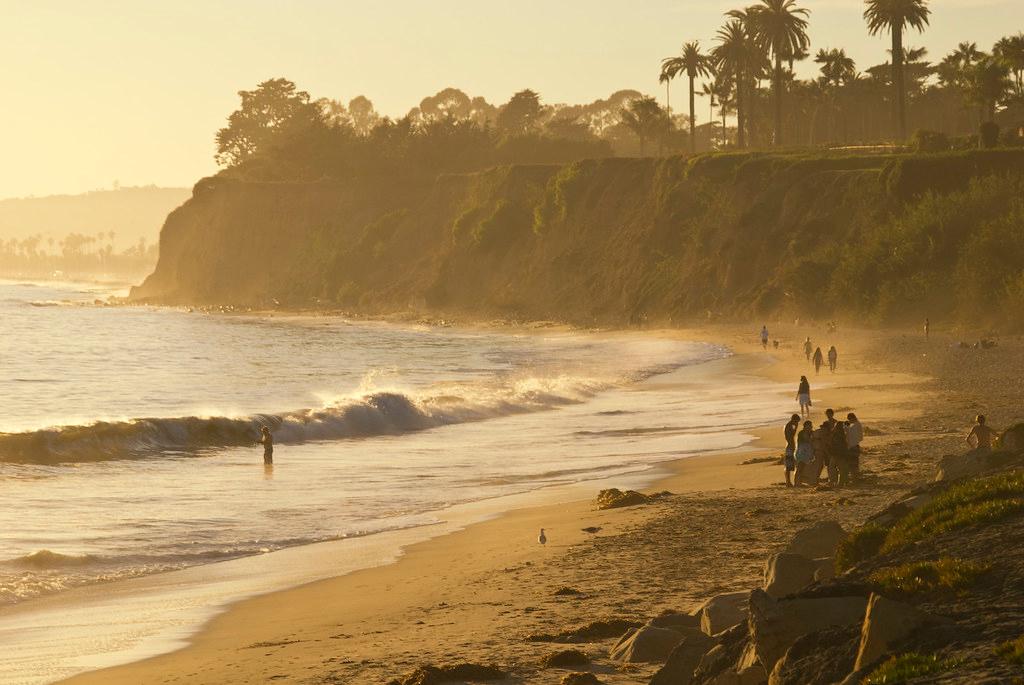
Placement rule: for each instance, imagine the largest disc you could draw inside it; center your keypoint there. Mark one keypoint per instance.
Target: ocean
(127, 434)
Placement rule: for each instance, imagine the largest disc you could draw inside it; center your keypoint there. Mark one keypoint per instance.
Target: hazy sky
(134, 90)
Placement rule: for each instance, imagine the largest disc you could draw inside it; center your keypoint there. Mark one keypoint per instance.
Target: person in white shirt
(854, 436)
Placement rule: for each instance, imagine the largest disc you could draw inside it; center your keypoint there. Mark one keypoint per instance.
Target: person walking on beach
(927, 328)
(833, 358)
(805, 455)
(267, 440)
(803, 396)
(982, 435)
(818, 360)
(764, 337)
(808, 348)
(854, 436)
(790, 460)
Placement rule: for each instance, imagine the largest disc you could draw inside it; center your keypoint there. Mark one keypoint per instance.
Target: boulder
(1012, 438)
(567, 658)
(613, 498)
(776, 624)
(825, 656)
(785, 574)
(580, 679)
(675, 621)
(722, 612)
(974, 463)
(683, 660)
(647, 645)
(887, 623)
(597, 630)
(817, 541)
(746, 671)
(436, 675)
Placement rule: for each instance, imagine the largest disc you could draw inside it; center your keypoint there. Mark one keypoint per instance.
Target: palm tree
(734, 59)
(645, 118)
(894, 16)
(694, 63)
(837, 69)
(780, 28)
(1010, 51)
(988, 82)
(665, 78)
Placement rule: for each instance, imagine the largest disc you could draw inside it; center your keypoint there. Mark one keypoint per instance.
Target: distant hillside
(131, 213)
(873, 238)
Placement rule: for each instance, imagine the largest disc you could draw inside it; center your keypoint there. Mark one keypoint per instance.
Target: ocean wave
(369, 415)
(45, 559)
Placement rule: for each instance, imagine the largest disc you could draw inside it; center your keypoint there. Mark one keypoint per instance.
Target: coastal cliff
(615, 241)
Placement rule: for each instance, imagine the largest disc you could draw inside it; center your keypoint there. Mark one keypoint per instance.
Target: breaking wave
(368, 415)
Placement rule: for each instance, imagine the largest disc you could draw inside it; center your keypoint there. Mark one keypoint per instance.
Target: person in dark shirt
(790, 460)
(267, 440)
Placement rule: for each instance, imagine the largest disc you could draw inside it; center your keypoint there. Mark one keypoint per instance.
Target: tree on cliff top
(521, 114)
(646, 119)
(274, 109)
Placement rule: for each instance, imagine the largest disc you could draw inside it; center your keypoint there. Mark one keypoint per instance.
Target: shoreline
(70, 609)
(242, 623)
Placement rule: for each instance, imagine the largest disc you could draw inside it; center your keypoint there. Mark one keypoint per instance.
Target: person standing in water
(764, 336)
(927, 328)
(790, 433)
(818, 360)
(267, 440)
(833, 358)
(982, 435)
(803, 396)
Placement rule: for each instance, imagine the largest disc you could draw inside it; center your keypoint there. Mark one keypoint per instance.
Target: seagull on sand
(542, 538)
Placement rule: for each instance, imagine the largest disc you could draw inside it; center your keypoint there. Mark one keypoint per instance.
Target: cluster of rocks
(782, 633)
(613, 498)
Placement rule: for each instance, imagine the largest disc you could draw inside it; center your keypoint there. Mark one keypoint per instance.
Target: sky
(132, 91)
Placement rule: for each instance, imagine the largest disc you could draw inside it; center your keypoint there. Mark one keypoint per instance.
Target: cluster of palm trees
(764, 41)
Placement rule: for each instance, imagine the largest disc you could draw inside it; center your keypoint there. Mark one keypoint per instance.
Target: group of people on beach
(833, 448)
(813, 354)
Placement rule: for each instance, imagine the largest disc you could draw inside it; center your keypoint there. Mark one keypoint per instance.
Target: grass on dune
(973, 503)
(1012, 651)
(925, 576)
(976, 502)
(905, 667)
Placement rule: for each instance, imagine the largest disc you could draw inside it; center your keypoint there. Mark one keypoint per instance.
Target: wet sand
(475, 595)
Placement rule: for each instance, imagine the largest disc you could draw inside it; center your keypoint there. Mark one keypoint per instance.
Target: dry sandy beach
(477, 594)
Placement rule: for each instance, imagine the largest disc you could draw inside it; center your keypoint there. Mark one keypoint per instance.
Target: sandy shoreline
(375, 624)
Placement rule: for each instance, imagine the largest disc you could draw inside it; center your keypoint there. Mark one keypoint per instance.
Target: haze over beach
(564, 343)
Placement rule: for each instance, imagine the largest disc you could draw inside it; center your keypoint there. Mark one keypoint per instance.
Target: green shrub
(1012, 651)
(988, 134)
(558, 195)
(905, 667)
(975, 502)
(861, 544)
(926, 576)
(931, 141)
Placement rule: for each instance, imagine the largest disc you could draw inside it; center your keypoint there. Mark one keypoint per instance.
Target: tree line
(280, 132)
(749, 73)
(75, 254)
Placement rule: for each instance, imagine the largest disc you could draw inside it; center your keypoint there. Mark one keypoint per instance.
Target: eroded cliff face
(607, 241)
